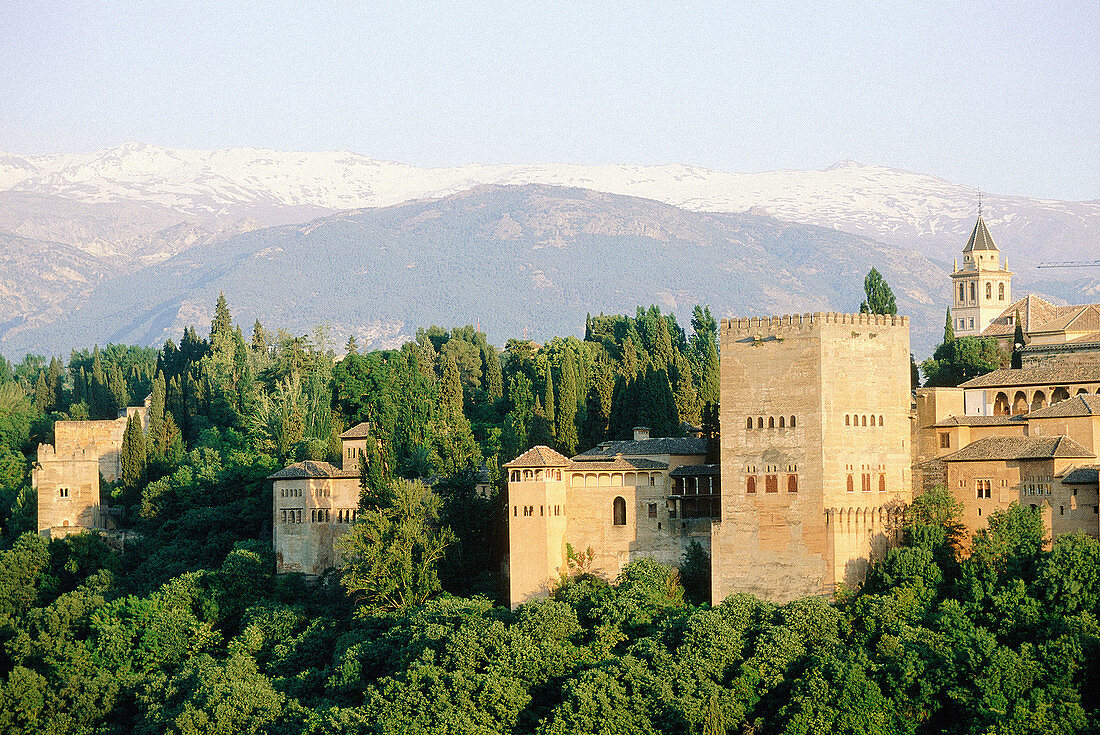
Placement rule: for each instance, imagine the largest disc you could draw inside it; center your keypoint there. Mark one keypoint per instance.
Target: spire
(980, 239)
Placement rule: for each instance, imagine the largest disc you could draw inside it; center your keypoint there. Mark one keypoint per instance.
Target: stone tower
(815, 455)
(536, 535)
(982, 287)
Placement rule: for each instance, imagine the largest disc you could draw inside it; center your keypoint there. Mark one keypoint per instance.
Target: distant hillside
(914, 210)
(531, 259)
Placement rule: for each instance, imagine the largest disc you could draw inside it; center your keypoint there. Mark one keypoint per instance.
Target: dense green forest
(185, 628)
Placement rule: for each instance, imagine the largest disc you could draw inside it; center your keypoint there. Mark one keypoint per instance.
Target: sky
(1003, 96)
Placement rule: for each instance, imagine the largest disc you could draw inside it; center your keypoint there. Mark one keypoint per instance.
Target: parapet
(799, 322)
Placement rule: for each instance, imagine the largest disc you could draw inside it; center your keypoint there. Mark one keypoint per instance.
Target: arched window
(782, 422)
(962, 294)
(792, 422)
(847, 420)
(864, 420)
(1001, 292)
(760, 422)
(619, 512)
(748, 422)
(973, 291)
(792, 483)
(750, 484)
(880, 420)
(771, 422)
(882, 483)
(989, 290)
(851, 484)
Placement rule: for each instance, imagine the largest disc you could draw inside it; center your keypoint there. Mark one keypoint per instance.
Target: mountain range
(131, 243)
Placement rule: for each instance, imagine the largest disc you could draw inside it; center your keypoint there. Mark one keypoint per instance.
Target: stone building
(66, 476)
(982, 288)
(815, 456)
(314, 504)
(646, 497)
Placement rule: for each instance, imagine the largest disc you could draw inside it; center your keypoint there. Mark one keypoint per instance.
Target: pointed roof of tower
(980, 239)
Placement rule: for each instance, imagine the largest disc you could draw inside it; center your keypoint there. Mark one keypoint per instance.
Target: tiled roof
(696, 470)
(1080, 405)
(1034, 312)
(1085, 338)
(1036, 376)
(980, 239)
(1082, 476)
(300, 470)
(1077, 319)
(1020, 447)
(540, 456)
(979, 421)
(644, 447)
(619, 463)
(357, 432)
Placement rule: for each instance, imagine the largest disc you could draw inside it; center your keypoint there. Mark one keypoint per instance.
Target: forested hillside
(183, 627)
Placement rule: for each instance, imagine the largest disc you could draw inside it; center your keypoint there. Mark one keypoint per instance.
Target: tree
(712, 432)
(133, 458)
(961, 359)
(393, 553)
(880, 299)
(566, 419)
(221, 327)
(948, 329)
(1018, 342)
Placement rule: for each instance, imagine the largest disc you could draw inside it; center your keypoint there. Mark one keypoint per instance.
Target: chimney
(641, 433)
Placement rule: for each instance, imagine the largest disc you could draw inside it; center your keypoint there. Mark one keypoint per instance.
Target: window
(750, 484)
(748, 422)
(760, 422)
(792, 483)
(515, 511)
(971, 323)
(847, 420)
(973, 291)
(284, 516)
(64, 492)
(880, 420)
(1001, 297)
(782, 422)
(619, 512)
(962, 324)
(962, 295)
(652, 510)
(882, 483)
(989, 290)
(851, 485)
(945, 441)
(866, 482)
(864, 420)
(985, 488)
(771, 483)
(792, 422)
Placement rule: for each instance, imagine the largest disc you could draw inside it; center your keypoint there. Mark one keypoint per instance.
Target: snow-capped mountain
(916, 210)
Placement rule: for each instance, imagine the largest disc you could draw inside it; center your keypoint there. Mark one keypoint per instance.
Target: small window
(64, 492)
(945, 441)
(515, 511)
(851, 484)
(847, 420)
(760, 422)
(792, 483)
(782, 422)
(864, 420)
(652, 510)
(971, 323)
(748, 422)
(750, 484)
(792, 422)
(771, 422)
(771, 483)
(880, 420)
(989, 290)
(619, 512)
(1001, 296)
(882, 483)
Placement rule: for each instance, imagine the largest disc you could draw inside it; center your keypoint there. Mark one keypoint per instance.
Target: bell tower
(982, 287)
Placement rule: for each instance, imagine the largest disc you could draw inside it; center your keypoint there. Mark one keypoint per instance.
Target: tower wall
(536, 536)
(823, 370)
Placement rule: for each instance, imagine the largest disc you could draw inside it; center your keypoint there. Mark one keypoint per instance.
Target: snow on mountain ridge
(850, 196)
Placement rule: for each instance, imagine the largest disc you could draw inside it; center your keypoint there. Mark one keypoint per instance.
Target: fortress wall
(822, 369)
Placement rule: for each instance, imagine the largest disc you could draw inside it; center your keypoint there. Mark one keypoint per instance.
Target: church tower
(982, 287)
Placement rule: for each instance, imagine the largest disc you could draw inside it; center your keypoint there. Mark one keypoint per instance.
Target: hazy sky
(1005, 96)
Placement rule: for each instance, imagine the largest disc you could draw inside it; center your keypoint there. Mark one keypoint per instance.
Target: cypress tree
(709, 378)
(41, 393)
(548, 403)
(116, 386)
(565, 421)
(221, 327)
(948, 329)
(259, 339)
(687, 400)
(133, 457)
(54, 384)
(1018, 342)
(880, 299)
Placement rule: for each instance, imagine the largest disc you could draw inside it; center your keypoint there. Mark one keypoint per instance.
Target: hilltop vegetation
(188, 630)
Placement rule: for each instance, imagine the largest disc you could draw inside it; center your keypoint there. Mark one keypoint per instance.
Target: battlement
(49, 453)
(800, 322)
